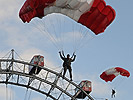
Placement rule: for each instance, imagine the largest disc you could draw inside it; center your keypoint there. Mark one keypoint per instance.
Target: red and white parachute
(94, 14)
(111, 73)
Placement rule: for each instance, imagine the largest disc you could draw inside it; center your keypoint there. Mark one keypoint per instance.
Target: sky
(109, 49)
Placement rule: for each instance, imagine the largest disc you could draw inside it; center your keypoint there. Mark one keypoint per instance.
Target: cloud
(9, 8)
(13, 33)
(17, 40)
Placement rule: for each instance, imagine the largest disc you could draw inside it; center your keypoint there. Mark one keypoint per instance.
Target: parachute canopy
(94, 14)
(111, 73)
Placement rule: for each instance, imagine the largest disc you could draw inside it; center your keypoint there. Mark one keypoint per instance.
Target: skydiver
(67, 63)
(113, 93)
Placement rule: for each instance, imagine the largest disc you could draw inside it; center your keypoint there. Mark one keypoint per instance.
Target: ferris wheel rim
(33, 76)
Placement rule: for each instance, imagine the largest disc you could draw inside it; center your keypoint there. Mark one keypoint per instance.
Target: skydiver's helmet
(68, 56)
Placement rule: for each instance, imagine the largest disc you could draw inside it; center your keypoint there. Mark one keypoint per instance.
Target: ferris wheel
(48, 82)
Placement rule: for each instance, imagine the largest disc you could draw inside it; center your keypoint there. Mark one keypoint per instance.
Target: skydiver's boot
(65, 69)
(70, 75)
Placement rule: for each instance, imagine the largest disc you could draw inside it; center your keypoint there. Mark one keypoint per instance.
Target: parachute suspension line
(61, 21)
(81, 36)
(81, 39)
(64, 34)
(38, 26)
(77, 43)
(44, 33)
(74, 35)
(88, 36)
(53, 22)
(62, 25)
(81, 42)
(118, 84)
(64, 21)
(42, 30)
(54, 31)
(49, 35)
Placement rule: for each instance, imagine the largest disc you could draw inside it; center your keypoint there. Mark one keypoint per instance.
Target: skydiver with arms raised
(67, 63)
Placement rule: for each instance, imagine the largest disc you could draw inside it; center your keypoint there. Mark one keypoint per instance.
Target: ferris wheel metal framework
(49, 82)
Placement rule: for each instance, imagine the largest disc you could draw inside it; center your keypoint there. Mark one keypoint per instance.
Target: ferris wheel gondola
(37, 60)
(86, 86)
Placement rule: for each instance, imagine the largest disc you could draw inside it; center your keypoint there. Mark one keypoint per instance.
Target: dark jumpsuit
(67, 64)
(113, 93)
